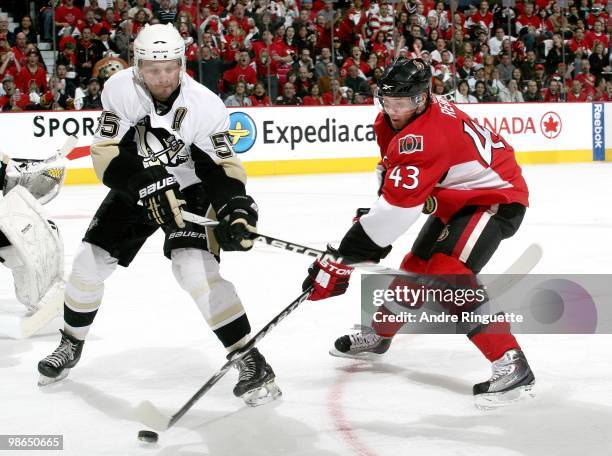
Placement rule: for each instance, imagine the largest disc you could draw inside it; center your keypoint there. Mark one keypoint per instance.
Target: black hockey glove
(159, 192)
(237, 224)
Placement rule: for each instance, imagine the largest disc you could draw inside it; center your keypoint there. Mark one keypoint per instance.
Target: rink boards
(302, 140)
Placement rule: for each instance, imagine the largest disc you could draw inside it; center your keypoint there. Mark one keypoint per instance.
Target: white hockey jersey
(197, 121)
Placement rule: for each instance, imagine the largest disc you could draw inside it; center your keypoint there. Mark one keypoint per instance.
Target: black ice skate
(256, 384)
(361, 345)
(57, 365)
(512, 380)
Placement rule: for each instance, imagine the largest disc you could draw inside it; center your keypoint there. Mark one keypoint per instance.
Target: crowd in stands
(316, 52)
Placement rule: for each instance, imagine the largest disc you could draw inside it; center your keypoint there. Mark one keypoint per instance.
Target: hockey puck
(148, 436)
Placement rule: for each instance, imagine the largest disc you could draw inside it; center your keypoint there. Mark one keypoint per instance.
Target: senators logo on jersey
(410, 144)
(159, 146)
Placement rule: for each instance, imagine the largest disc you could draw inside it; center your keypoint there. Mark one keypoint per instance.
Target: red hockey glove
(327, 279)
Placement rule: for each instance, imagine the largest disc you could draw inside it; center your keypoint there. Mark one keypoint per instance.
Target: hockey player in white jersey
(162, 144)
(30, 244)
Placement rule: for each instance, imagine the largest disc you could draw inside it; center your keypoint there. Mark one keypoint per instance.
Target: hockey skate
(511, 381)
(256, 384)
(57, 365)
(362, 345)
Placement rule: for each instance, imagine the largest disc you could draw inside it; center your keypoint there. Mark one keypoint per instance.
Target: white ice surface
(150, 342)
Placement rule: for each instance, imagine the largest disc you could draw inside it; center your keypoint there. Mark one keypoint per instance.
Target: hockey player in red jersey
(436, 159)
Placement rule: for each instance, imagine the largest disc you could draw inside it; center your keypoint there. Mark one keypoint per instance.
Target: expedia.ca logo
(410, 144)
(242, 131)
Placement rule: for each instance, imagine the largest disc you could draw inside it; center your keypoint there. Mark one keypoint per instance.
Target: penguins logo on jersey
(158, 145)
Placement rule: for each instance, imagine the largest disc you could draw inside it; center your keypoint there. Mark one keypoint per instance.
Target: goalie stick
(147, 413)
(63, 151)
(50, 306)
(150, 415)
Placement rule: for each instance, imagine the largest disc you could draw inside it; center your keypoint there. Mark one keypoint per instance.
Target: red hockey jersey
(446, 154)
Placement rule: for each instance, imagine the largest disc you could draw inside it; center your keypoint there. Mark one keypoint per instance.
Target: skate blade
(366, 356)
(262, 395)
(43, 380)
(492, 401)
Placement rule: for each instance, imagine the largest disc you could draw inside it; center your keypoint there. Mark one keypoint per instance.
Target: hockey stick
(150, 415)
(70, 144)
(521, 266)
(50, 306)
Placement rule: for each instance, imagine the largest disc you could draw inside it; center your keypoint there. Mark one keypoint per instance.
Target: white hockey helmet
(159, 43)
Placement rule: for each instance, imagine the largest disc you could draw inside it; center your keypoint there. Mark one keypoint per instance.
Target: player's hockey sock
(76, 323)
(234, 334)
(383, 327)
(494, 340)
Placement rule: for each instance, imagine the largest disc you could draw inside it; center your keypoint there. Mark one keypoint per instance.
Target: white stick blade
(51, 306)
(70, 144)
(150, 415)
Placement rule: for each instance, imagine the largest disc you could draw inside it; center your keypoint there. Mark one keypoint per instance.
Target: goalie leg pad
(197, 272)
(36, 251)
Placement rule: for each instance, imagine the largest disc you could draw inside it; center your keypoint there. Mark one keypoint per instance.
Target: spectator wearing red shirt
(9, 65)
(267, 71)
(553, 93)
(259, 97)
(529, 18)
(355, 59)
(12, 101)
(90, 21)
(483, 17)
(20, 48)
(110, 20)
(234, 41)
(264, 44)
(585, 77)
(32, 72)
(598, 13)
(314, 98)
(216, 8)
(601, 93)
(352, 25)
(576, 94)
(335, 96)
(579, 41)
(190, 7)
(239, 17)
(597, 34)
(68, 14)
(139, 21)
(244, 72)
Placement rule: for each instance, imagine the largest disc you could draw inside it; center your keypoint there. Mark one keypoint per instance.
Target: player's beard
(162, 93)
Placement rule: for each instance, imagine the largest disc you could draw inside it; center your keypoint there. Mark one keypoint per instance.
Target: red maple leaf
(550, 125)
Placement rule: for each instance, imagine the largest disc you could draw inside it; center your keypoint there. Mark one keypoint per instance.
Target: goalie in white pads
(30, 244)
(163, 144)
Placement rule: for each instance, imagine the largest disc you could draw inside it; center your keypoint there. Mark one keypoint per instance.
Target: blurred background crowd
(57, 54)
